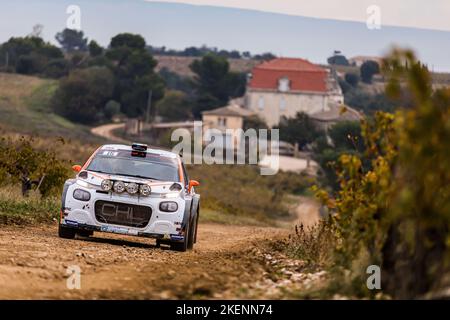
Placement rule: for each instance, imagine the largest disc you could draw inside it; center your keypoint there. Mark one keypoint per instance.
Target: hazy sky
(429, 14)
(180, 25)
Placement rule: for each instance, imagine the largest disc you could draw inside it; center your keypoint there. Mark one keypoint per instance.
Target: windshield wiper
(134, 176)
(98, 171)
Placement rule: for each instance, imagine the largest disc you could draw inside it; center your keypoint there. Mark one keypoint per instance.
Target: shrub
(314, 244)
(56, 68)
(21, 163)
(396, 214)
(112, 108)
(299, 130)
(352, 79)
(83, 94)
(368, 70)
(175, 106)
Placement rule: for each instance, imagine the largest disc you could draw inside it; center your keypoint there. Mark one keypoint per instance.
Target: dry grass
(25, 108)
(313, 244)
(16, 209)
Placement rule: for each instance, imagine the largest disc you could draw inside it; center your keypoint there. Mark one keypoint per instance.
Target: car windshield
(122, 163)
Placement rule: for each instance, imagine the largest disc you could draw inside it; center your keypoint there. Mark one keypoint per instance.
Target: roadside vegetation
(393, 212)
(16, 209)
(240, 193)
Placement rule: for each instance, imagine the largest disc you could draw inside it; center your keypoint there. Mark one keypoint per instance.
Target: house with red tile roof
(282, 87)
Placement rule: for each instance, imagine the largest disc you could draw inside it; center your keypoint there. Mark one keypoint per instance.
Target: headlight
(81, 195)
(145, 190)
(176, 187)
(119, 186)
(132, 188)
(168, 206)
(107, 185)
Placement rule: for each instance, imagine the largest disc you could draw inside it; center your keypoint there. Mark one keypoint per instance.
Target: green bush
(21, 163)
(83, 94)
(112, 108)
(175, 106)
(396, 213)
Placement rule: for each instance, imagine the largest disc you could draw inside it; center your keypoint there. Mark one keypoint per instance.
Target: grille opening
(122, 214)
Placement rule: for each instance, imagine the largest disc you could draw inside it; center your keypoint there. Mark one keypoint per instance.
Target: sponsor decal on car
(119, 230)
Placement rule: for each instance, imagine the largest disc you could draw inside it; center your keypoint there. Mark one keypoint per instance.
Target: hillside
(25, 110)
(180, 65)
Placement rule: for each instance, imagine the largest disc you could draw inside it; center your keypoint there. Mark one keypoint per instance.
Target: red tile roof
(302, 74)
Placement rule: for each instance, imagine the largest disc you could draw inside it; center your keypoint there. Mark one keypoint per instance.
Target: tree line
(96, 83)
(205, 50)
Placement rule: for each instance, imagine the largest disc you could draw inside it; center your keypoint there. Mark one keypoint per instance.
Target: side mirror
(76, 168)
(193, 183)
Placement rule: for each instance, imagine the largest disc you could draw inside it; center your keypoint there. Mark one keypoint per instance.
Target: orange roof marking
(90, 159)
(180, 172)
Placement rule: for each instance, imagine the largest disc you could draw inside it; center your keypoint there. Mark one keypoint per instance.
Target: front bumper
(81, 215)
(120, 230)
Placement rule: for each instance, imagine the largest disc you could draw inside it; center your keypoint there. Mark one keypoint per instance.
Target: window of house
(261, 103)
(283, 103)
(222, 121)
(284, 84)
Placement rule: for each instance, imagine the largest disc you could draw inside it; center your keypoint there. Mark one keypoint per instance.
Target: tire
(66, 233)
(182, 246)
(196, 225)
(192, 234)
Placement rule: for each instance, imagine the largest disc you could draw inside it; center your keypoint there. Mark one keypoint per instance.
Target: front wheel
(182, 246)
(192, 234)
(66, 233)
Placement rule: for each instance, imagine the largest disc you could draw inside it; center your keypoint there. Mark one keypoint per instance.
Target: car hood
(95, 179)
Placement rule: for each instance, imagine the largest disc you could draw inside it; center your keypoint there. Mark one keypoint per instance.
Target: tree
(56, 68)
(29, 64)
(264, 56)
(176, 82)
(81, 96)
(112, 108)
(28, 55)
(21, 162)
(175, 106)
(95, 49)
(72, 40)
(368, 70)
(338, 59)
(214, 83)
(127, 40)
(370, 103)
(254, 122)
(352, 79)
(134, 72)
(345, 86)
(299, 130)
(346, 135)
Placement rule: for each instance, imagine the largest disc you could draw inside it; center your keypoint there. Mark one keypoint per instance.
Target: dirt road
(33, 263)
(227, 262)
(107, 131)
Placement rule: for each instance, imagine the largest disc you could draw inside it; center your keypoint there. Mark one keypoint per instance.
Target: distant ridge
(180, 25)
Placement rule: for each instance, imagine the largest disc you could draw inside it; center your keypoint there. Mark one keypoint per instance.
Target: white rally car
(132, 190)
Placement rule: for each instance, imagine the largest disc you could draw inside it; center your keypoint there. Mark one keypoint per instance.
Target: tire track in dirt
(33, 262)
(227, 262)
